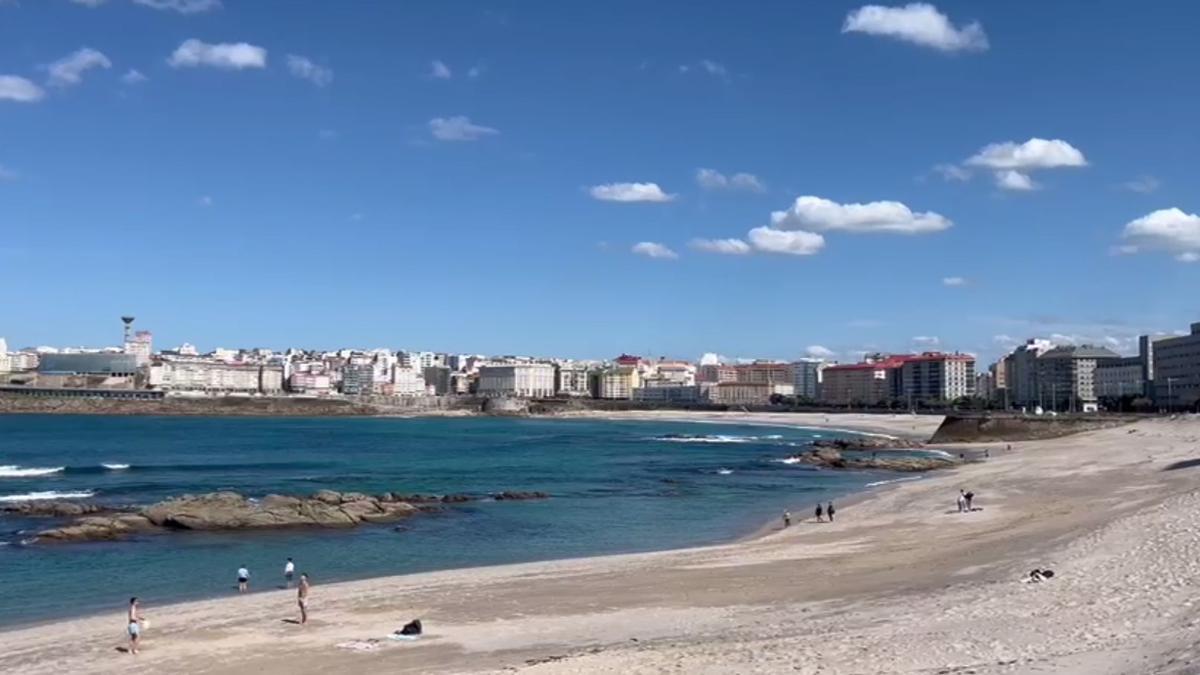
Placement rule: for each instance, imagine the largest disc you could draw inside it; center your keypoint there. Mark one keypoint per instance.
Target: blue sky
(360, 195)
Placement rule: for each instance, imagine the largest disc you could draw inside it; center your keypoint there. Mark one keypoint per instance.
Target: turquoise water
(616, 486)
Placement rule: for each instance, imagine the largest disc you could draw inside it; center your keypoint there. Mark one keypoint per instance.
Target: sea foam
(115, 467)
(49, 494)
(14, 471)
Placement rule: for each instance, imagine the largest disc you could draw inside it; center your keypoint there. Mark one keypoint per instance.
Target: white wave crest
(50, 494)
(787, 460)
(114, 467)
(724, 472)
(894, 480)
(14, 471)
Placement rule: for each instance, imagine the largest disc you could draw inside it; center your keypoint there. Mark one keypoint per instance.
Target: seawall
(993, 428)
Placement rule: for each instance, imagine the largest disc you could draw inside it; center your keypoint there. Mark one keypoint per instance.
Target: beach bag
(411, 628)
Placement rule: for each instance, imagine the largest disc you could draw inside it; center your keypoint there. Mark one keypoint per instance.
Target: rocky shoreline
(832, 458)
(227, 511)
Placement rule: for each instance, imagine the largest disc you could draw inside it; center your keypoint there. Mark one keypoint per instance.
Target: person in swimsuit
(288, 570)
(302, 598)
(134, 625)
(243, 579)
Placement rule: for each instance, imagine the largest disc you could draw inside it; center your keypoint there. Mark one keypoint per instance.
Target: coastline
(838, 596)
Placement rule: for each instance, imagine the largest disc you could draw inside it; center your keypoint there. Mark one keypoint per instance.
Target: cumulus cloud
(134, 76)
(918, 23)
(1014, 181)
(1170, 230)
(69, 70)
(19, 89)
(954, 281)
(725, 246)
(953, 172)
(630, 192)
(227, 56)
(181, 6)
(305, 69)
(715, 69)
(1143, 184)
(711, 179)
(439, 70)
(1035, 153)
(816, 213)
(458, 128)
(819, 352)
(796, 242)
(89, 3)
(927, 340)
(652, 249)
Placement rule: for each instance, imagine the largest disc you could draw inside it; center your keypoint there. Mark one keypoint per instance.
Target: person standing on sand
(820, 513)
(829, 510)
(962, 501)
(134, 625)
(243, 579)
(302, 598)
(970, 496)
(787, 519)
(288, 570)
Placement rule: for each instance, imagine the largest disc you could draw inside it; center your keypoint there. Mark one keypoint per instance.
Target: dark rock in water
(53, 508)
(456, 499)
(832, 458)
(865, 443)
(517, 496)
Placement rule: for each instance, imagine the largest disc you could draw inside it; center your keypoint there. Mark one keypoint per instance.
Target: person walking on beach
(820, 513)
(962, 501)
(289, 569)
(243, 579)
(134, 625)
(829, 510)
(787, 519)
(302, 598)
(970, 497)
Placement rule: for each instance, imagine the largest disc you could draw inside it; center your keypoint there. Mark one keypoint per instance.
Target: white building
(140, 345)
(529, 380)
(310, 383)
(668, 393)
(5, 361)
(216, 378)
(407, 382)
(572, 380)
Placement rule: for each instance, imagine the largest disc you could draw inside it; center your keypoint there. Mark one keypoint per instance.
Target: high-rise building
(1066, 377)
(1021, 374)
(5, 361)
(935, 376)
(807, 378)
(1176, 371)
(999, 382)
(866, 383)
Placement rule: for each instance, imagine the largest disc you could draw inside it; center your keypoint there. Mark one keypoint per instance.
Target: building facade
(1066, 377)
(861, 383)
(934, 376)
(668, 393)
(216, 378)
(1118, 378)
(806, 380)
(618, 383)
(740, 393)
(1021, 376)
(572, 379)
(527, 380)
(1176, 371)
(716, 372)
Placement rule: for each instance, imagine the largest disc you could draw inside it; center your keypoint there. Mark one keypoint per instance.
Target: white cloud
(711, 179)
(228, 56)
(711, 359)
(652, 249)
(927, 340)
(819, 352)
(715, 69)
(630, 192)
(1170, 230)
(134, 76)
(918, 23)
(1035, 153)
(954, 281)
(440, 71)
(458, 128)
(816, 213)
(796, 242)
(474, 72)
(89, 3)
(953, 172)
(181, 6)
(725, 246)
(19, 89)
(1003, 339)
(1015, 181)
(305, 69)
(69, 70)
(1143, 184)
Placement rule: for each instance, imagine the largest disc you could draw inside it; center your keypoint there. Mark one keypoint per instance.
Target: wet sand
(901, 583)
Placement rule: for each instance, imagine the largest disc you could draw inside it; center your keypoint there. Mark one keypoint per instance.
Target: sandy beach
(901, 583)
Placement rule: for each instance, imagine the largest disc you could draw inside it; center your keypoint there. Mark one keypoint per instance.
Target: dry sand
(902, 583)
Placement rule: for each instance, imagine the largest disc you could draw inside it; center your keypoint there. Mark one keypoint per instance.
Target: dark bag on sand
(411, 628)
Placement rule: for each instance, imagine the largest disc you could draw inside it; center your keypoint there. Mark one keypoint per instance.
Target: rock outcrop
(223, 511)
(866, 443)
(834, 459)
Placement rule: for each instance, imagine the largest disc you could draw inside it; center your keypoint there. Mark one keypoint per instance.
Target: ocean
(616, 487)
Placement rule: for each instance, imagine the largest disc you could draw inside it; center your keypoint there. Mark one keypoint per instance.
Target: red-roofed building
(865, 383)
(931, 376)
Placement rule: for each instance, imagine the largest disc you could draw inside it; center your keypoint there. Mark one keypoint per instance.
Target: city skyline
(546, 180)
